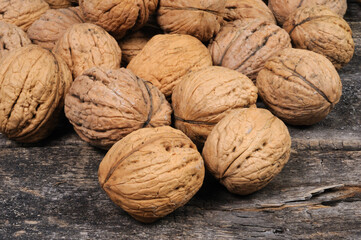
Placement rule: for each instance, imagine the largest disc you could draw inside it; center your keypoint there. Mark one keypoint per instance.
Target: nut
(248, 9)
(204, 97)
(22, 13)
(11, 37)
(33, 83)
(246, 45)
(247, 149)
(52, 25)
(167, 57)
(106, 105)
(151, 172)
(85, 45)
(199, 18)
(283, 8)
(322, 31)
(59, 3)
(299, 86)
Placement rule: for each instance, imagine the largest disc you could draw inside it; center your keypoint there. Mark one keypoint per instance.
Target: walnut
(204, 97)
(33, 83)
(320, 30)
(247, 149)
(117, 17)
(85, 45)
(11, 37)
(22, 13)
(167, 57)
(199, 18)
(52, 25)
(151, 172)
(283, 8)
(106, 105)
(248, 9)
(59, 3)
(299, 86)
(246, 45)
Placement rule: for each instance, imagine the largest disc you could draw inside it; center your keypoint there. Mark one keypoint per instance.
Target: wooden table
(50, 190)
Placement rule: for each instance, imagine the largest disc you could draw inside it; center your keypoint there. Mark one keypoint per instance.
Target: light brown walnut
(59, 3)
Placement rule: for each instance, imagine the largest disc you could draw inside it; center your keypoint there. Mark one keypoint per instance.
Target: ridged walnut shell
(22, 13)
(167, 57)
(118, 16)
(283, 8)
(199, 18)
(59, 3)
(248, 9)
(322, 31)
(247, 149)
(151, 172)
(106, 105)
(52, 25)
(33, 83)
(204, 97)
(299, 86)
(246, 45)
(85, 45)
(11, 37)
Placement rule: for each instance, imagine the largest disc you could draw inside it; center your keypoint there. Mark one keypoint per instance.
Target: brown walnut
(199, 18)
(52, 25)
(247, 149)
(322, 31)
(85, 45)
(204, 97)
(167, 57)
(59, 3)
(33, 83)
(246, 45)
(106, 105)
(299, 86)
(11, 37)
(151, 172)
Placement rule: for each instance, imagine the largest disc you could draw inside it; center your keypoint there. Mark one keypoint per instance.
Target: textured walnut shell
(283, 8)
(246, 45)
(199, 18)
(248, 9)
(117, 17)
(247, 149)
(151, 172)
(106, 105)
(204, 97)
(299, 86)
(11, 37)
(59, 3)
(52, 25)
(167, 57)
(85, 45)
(322, 31)
(22, 13)
(33, 83)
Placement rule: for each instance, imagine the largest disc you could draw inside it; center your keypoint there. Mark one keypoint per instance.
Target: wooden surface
(50, 190)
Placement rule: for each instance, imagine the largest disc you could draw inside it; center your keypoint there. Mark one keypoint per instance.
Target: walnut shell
(167, 57)
(199, 18)
(299, 86)
(52, 25)
(22, 13)
(33, 83)
(204, 97)
(247, 149)
(85, 45)
(117, 17)
(322, 31)
(283, 8)
(151, 172)
(106, 105)
(246, 45)
(59, 3)
(248, 9)
(11, 37)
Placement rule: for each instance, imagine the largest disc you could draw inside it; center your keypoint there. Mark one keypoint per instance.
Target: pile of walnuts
(158, 82)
